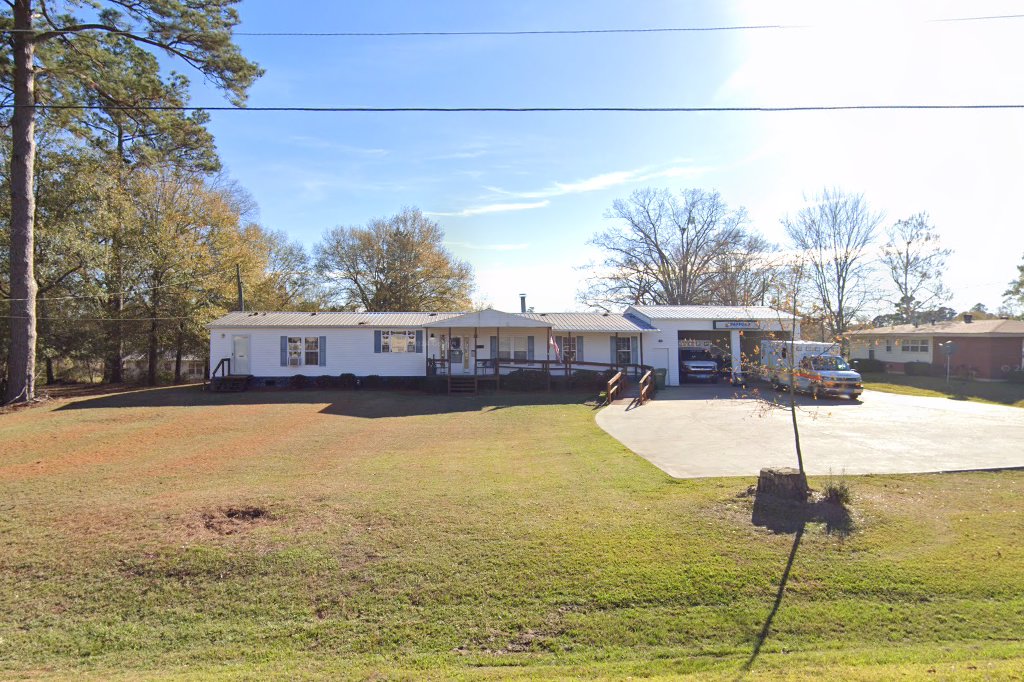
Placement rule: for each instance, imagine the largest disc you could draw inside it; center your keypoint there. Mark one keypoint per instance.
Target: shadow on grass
(762, 636)
(365, 404)
(784, 516)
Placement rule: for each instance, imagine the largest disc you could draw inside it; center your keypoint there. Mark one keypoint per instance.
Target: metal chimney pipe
(522, 303)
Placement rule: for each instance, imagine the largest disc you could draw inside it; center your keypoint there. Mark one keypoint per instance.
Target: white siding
(859, 349)
(348, 351)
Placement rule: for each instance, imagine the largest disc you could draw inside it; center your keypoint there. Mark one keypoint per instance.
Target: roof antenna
(238, 278)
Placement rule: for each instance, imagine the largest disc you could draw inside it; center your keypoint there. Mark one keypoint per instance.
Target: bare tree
(670, 249)
(834, 234)
(396, 263)
(915, 260)
(745, 275)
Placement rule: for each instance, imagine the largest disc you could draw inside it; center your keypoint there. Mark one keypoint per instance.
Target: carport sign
(736, 324)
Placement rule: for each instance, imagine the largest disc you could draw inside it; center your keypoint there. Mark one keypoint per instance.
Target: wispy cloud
(489, 208)
(603, 181)
(489, 247)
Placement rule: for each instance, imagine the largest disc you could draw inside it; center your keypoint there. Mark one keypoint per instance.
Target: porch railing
(614, 388)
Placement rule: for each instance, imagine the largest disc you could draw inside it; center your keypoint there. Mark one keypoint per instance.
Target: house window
(888, 345)
(312, 350)
(513, 348)
(915, 346)
(303, 351)
(195, 367)
(623, 350)
(566, 348)
(398, 342)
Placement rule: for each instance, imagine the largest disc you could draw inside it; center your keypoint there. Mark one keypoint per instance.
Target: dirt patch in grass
(232, 520)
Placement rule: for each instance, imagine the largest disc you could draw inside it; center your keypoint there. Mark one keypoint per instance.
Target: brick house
(984, 349)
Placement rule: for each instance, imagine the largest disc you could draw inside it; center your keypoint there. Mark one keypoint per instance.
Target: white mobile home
(271, 346)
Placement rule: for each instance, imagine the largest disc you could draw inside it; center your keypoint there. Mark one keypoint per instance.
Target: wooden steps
(232, 383)
(462, 385)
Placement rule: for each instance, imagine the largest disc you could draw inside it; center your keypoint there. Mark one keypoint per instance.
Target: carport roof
(710, 312)
(327, 319)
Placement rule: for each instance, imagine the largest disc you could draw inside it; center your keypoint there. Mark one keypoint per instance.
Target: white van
(817, 368)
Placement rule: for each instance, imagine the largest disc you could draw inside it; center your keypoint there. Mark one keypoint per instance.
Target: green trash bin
(659, 377)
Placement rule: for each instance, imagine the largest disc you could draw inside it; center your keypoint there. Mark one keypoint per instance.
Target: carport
(734, 332)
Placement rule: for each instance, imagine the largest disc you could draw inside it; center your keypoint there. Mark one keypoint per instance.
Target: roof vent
(604, 314)
(313, 313)
(543, 314)
(362, 322)
(432, 315)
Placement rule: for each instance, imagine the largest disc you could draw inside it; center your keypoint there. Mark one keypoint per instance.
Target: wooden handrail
(647, 387)
(614, 386)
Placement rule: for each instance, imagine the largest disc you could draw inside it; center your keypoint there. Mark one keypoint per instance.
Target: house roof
(328, 319)
(487, 318)
(561, 322)
(710, 312)
(591, 322)
(949, 328)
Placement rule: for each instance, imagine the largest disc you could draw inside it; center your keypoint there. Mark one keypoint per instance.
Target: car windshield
(696, 355)
(829, 363)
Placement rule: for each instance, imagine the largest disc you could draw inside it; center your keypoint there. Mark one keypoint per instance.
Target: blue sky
(519, 195)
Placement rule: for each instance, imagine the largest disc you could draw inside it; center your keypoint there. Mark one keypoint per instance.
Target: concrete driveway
(713, 430)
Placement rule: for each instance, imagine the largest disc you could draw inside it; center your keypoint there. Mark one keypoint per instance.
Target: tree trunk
(784, 483)
(179, 342)
(21, 364)
(151, 375)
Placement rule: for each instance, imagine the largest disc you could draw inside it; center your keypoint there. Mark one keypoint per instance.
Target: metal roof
(321, 319)
(949, 328)
(710, 312)
(563, 322)
(591, 322)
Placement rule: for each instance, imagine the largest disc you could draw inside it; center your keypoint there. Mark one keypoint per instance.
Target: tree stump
(784, 483)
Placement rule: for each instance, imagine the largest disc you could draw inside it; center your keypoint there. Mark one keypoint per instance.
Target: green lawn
(1001, 393)
(411, 536)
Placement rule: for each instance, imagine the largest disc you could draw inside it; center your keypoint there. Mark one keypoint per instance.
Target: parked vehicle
(817, 368)
(698, 364)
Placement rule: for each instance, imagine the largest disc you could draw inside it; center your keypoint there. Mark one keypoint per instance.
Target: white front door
(461, 355)
(240, 354)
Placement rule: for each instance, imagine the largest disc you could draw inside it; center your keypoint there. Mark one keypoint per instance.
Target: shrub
(1015, 376)
(591, 379)
(372, 381)
(326, 381)
(836, 492)
(435, 384)
(347, 381)
(869, 365)
(525, 380)
(298, 381)
(919, 369)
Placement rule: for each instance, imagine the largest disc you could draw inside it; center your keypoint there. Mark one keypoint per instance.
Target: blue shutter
(284, 351)
(579, 349)
(614, 359)
(376, 340)
(634, 350)
(529, 348)
(494, 347)
(323, 351)
(419, 340)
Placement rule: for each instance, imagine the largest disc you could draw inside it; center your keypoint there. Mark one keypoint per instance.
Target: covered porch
(486, 348)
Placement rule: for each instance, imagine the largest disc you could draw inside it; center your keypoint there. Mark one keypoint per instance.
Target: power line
(524, 110)
(539, 32)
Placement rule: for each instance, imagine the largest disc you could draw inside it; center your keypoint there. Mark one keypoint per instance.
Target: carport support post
(497, 352)
(734, 345)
